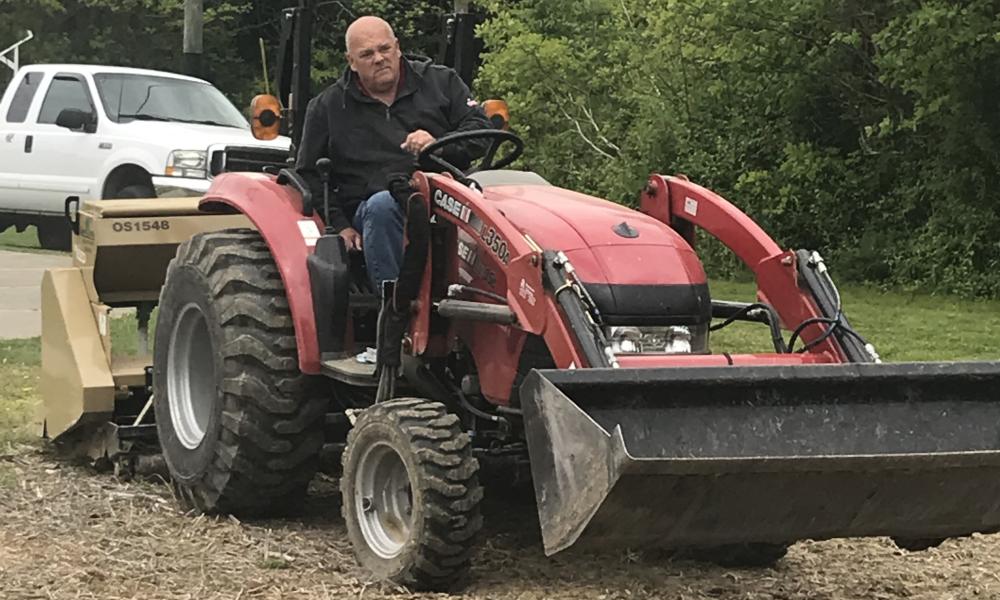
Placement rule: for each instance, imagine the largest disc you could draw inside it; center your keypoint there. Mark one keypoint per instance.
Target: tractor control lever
(323, 165)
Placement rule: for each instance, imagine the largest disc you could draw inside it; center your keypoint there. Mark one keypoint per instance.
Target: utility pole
(194, 21)
(464, 30)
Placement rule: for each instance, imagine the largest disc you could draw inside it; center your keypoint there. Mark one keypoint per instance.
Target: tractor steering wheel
(428, 160)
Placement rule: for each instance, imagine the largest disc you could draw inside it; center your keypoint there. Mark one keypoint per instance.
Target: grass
(25, 241)
(20, 370)
(902, 326)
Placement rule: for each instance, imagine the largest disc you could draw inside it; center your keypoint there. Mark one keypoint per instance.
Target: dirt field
(67, 532)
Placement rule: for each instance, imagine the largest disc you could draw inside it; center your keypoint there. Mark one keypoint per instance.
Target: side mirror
(265, 120)
(76, 119)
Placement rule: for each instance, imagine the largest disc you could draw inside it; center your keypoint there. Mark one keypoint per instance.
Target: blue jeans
(379, 220)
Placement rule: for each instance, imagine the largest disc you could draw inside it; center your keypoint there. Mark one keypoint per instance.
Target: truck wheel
(54, 234)
(411, 494)
(742, 555)
(136, 190)
(240, 426)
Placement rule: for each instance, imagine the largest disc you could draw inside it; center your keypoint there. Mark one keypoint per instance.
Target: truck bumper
(180, 186)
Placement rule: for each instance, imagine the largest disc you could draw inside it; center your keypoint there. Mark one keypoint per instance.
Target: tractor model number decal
(452, 206)
(130, 226)
(467, 253)
(497, 245)
(493, 240)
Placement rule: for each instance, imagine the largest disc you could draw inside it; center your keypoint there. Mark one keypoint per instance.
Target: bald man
(372, 122)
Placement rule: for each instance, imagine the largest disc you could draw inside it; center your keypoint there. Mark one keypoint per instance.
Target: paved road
(20, 291)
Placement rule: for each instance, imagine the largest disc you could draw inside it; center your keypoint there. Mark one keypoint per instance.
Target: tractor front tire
(750, 555)
(917, 544)
(411, 494)
(239, 425)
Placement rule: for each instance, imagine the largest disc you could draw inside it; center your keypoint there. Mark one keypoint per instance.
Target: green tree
(865, 130)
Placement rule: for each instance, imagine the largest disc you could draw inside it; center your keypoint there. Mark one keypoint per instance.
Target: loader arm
(684, 205)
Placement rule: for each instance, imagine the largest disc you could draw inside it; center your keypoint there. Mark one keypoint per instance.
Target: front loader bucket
(688, 457)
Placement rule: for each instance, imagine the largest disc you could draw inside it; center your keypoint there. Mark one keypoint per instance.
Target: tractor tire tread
(272, 420)
(746, 555)
(447, 478)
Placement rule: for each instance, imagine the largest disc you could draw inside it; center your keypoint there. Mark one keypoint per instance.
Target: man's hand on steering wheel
(417, 141)
(430, 160)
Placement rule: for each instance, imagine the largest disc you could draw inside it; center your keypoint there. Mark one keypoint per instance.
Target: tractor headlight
(674, 339)
(187, 163)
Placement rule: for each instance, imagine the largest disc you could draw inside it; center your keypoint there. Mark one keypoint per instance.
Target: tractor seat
(507, 177)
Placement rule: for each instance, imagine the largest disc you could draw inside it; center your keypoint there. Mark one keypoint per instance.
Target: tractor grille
(247, 159)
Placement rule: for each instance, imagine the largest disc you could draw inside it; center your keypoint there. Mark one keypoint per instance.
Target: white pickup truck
(111, 132)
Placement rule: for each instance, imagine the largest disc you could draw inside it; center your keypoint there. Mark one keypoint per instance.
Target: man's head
(373, 53)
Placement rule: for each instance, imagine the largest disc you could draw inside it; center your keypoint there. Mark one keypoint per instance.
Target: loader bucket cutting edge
(686, 457)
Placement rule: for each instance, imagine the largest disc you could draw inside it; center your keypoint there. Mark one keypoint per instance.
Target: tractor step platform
(350, 371)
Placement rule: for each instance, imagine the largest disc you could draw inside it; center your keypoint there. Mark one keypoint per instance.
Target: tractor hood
(633, 265)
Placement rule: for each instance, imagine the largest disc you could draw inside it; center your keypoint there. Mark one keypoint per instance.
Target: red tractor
(537, 325)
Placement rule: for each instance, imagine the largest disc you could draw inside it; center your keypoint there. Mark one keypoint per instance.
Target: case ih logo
(492, 238)
(452, 206)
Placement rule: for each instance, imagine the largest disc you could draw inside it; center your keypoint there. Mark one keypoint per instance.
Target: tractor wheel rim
(190, 376)
(383, 500)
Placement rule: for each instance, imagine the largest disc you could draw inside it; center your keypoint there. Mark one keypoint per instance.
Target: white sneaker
(367, 357)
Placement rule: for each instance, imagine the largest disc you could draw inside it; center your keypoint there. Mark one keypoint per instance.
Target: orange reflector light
(266, 120)
(497, 112)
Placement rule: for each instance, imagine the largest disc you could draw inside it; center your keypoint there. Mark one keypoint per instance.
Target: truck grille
(247, 159)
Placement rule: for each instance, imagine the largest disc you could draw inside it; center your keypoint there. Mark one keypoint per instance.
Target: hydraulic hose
(573, 309)
(814, 276)
(772, 323)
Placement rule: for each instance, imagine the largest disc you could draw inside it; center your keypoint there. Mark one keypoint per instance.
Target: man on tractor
(371, 123)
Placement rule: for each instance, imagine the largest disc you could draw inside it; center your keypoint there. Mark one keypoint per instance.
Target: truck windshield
(130, 97)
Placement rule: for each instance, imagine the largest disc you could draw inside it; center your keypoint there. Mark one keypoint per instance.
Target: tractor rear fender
(684, 205)
(276, 212)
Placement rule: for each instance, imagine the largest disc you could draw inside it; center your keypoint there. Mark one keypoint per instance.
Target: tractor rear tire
(751, 555)
(240, 426)
(411, 494)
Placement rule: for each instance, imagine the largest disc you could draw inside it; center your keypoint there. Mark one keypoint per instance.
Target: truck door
(16, 138)
(65, 162)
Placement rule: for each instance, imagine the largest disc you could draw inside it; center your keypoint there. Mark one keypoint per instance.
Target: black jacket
(361, 135)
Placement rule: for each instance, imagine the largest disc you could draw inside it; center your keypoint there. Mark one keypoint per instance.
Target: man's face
(374, 56)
